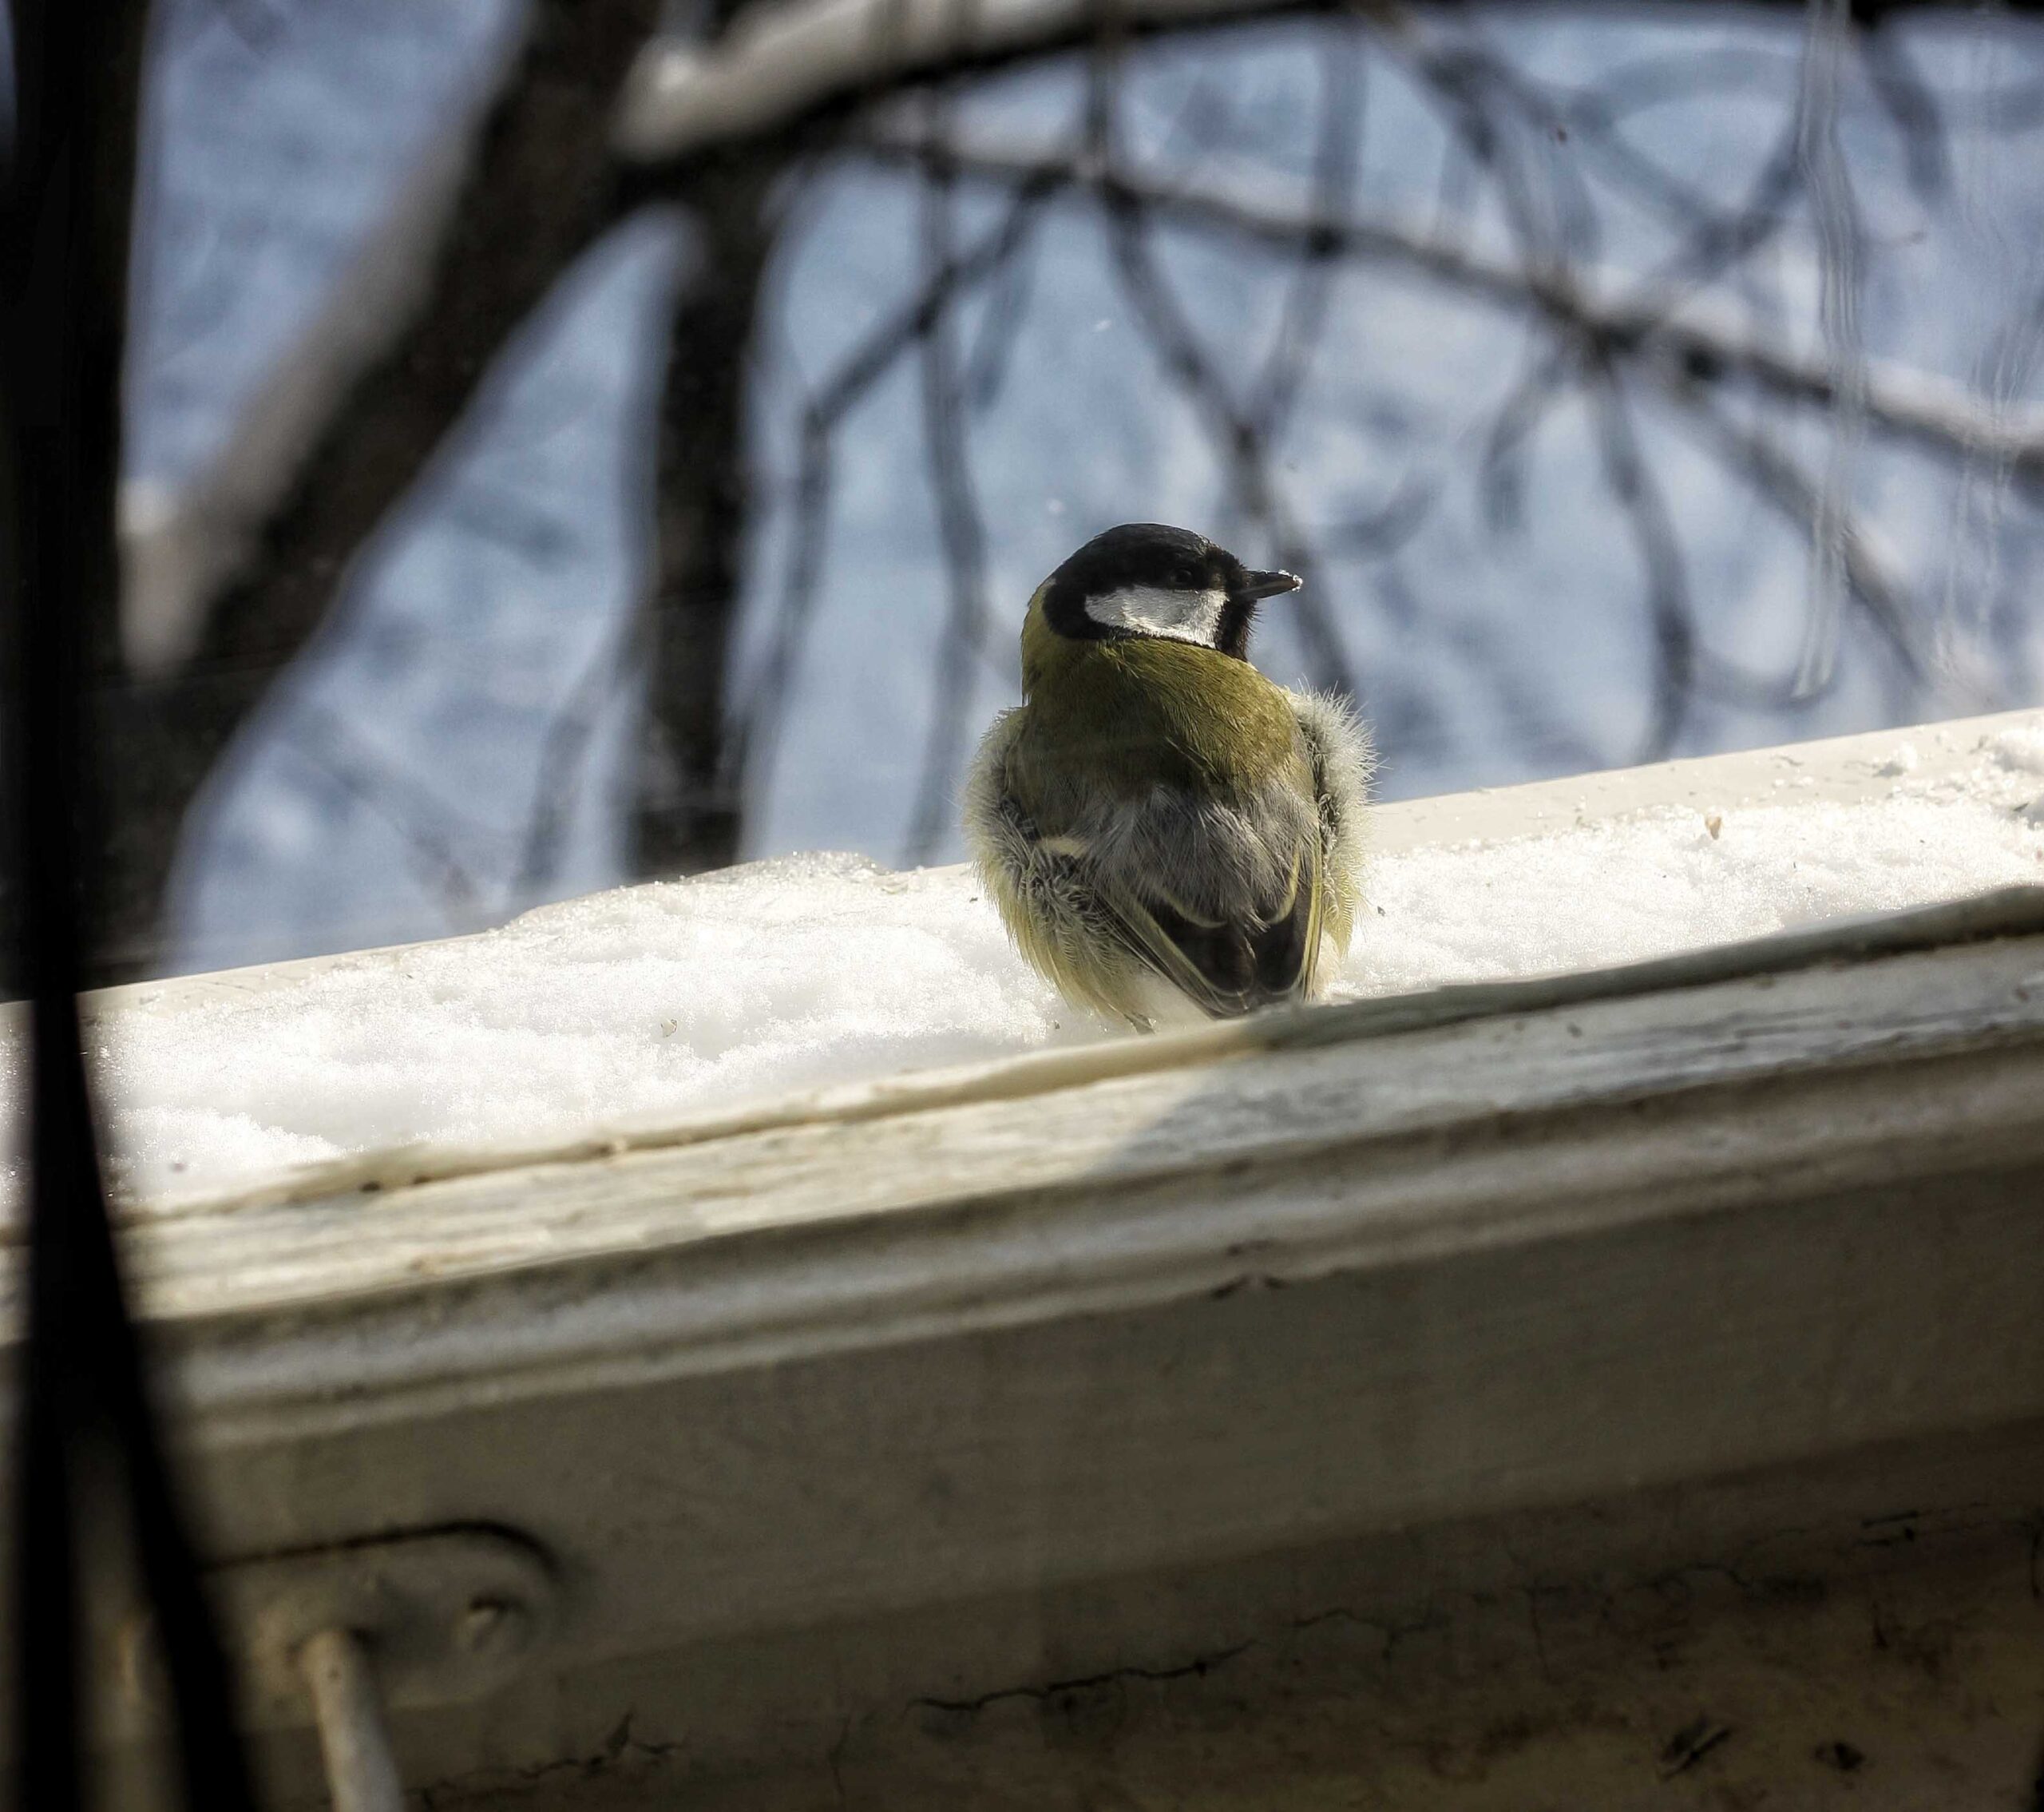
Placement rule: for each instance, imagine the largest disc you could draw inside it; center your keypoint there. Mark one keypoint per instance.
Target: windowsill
(1853, 771)
(1157, 1304)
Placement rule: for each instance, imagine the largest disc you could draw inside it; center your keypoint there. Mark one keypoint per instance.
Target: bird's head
(1145, 579)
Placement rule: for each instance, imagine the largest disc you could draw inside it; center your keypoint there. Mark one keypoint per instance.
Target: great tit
(1157, 822)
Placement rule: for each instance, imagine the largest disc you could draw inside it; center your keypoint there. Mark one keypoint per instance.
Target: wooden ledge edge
(2002, 913)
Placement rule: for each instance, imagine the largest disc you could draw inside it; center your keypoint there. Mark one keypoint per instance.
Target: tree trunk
(687, 813)
(541, 188)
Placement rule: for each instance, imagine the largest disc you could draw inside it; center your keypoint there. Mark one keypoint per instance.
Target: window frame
(862, 1355)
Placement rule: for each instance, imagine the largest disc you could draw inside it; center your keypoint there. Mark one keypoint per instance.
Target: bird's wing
(1044, 885)
(1227, 960)
(1096, 903)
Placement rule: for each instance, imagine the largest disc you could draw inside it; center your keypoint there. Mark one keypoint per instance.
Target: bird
(1167, 832)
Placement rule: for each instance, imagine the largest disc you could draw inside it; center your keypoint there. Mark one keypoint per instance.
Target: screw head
(491, 1628)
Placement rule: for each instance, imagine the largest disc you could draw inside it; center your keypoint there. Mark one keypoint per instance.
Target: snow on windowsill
(666, 1001)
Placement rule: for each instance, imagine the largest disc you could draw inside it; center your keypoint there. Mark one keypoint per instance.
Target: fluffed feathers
(1344, 760)
(1130, 904)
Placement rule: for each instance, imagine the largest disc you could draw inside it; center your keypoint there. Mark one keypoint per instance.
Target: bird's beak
(1267, 584)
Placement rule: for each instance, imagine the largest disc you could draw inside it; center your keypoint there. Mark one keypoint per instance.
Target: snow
(664, 1002)
(1663, 882)
(2022, 748)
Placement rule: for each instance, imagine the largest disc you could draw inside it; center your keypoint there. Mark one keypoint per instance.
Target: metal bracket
(333, 1635)
(448, 1616)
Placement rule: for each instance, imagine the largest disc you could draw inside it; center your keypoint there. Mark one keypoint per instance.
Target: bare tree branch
(787, 62)
(425, 828)
(1001, 320)
(959, 531)
(1379, 533)
(540, 190)
(1835, 206)
(1778, 478)
(563, 753)
(1668, 609)
(178, 547)
(757, 725)
(1912, 406)
(783, 63)
(1898, 85)
(1333, 184)
(1545, 202)
(1241, 444)
(686, 816)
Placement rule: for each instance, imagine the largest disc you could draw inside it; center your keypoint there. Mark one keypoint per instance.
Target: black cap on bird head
(1149, 579)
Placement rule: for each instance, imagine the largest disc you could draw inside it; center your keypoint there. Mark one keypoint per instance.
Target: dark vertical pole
(686, 816)
(64, 229)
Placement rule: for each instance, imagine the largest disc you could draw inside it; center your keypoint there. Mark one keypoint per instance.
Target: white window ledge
(1138, 1310)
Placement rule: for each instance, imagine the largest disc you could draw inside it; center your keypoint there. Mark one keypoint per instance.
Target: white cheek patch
(1154, 610)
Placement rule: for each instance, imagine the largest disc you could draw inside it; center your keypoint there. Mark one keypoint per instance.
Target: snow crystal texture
(666, 1001)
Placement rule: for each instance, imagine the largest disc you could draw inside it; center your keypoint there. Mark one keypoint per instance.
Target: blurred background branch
(1651, 339)
(540, 187)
